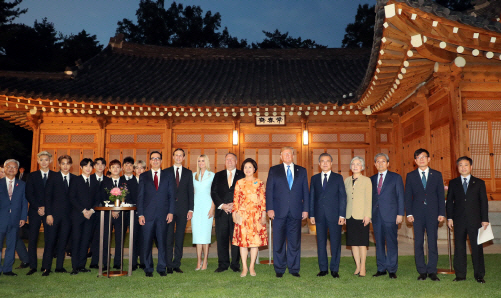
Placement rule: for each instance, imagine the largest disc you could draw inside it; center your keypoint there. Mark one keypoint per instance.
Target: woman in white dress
(204, 209)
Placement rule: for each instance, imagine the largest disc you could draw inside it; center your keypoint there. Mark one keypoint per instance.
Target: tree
(9, 11)
(456, 5)
(81, 46)
(277, 40)
(360, 34)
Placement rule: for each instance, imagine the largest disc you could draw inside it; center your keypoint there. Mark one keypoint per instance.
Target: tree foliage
(360, 34)
(9, 11)
(277, 40)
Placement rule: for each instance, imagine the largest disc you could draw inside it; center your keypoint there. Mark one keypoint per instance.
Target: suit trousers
(151, 229)
(477, 251)
(430, 226)
(224, 237)
(81, 234)
(11, 234)
(56, 238)
(385, 234)
(94, 241)
(176, 238)
(35, 224)
(334, 229)
(21, 250)
(288, 230)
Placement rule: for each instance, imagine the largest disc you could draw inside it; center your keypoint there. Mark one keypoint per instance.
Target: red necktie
(155, 180)
(380, 185)
(177, 177)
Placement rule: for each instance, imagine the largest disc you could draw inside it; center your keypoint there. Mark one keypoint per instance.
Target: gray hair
(9, 161)
(325, 154)
(360, 159)
(140, 163)
(381, 155)
(44, 153)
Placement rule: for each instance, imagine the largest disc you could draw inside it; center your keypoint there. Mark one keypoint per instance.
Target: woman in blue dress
(201, 222)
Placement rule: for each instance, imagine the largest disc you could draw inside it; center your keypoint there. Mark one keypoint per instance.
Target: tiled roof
(127, 73)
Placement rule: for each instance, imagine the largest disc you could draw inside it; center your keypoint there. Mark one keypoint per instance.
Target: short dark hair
(419, 151)
(153, 152)
(115, 162)
(128, 159)
(65, 156)
(86, 161)
(108, 174)
(464, 158)
(102, 160)
(325, 154)
(178, 149)
(252, 161)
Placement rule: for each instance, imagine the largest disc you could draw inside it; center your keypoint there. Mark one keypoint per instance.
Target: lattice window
(383, 138)
(253, 138)
(122, 139)
(284, 138)
(483, 105)
(479, 146)
(114, 154)
(324, 138)
(75, 156)
(82, 138)
(189, 138)
(87, 153)
(126, 153)
(352, 137)
(496, 140)
(142, 154)
(56, 138)
(219, 138)
(149, 138)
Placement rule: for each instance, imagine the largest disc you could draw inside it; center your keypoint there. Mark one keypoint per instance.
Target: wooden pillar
(167, 154)
(455, 122)
(34, 122)
(101, 137)
(372, 146)
(397, 163)
(422, 101)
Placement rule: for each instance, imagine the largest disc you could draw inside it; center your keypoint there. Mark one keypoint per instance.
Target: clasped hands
(227, 208)
(271, 214)
(88, 213)
(340, 222)
(410, 218)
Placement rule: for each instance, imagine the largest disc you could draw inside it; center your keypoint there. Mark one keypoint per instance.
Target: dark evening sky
(321, 20)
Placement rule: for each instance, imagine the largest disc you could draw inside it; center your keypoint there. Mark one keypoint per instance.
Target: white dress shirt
(99, 179)
(67, 178)
(44, 173)
(426, 173)
(323, 176)
(127, 178)
(292, 170)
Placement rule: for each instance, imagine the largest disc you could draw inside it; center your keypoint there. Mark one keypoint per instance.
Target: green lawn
(265, 284)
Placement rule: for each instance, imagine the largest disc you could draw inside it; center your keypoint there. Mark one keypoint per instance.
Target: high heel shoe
(201, 264)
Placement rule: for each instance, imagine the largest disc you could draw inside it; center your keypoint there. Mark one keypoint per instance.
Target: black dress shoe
(149, 274)
(296, 274)
(422, 276)
(83, 270)
(94, 266)
(433, 276)
(220, 270)
(170, 270)
(480, 280)
(379, 273)
(32, 270)
(178, 270)
(235, 269)
(459, 279)
(23, 265)
(62, 270)
(322, 273)
(74, 272)
(134, 268)
(46, 273)
(10, 273)
(279, 274)
(163, 273)
(335, 274)
(393, 275)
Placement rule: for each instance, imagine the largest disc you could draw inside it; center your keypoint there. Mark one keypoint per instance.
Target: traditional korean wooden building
(431, 80)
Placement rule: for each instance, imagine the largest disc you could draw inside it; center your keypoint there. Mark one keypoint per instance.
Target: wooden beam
(434, 54)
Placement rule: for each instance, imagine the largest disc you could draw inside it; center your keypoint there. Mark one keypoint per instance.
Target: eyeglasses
(155, 158)
(11, 167)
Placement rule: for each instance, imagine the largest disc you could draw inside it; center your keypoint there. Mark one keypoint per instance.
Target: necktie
(423, 179)
(324, 184)
(177, 177)
(115, 183)
(229, 179)
(65, 180)
(10, 190)
(44, 178)
(465, 185)
(289, 177)
(87, 182)
(380, 185)
(155, 180)
(99, 181)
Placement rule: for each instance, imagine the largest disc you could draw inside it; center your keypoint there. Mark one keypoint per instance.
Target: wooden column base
(445, 271)
(115, 273)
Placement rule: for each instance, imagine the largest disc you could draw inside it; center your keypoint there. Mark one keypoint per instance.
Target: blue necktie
(324, 185)
(423, 179)
(289, 177)
(465, 185)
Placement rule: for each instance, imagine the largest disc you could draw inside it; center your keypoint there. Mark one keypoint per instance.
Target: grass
(265, 284)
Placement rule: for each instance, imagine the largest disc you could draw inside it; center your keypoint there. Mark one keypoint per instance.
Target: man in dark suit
(425, 206)
(35, 193)
(183, 179)
(22, 175)
(99, 167)
(57, 209)
(287, 204)
(328, 212)
(139, 168)
(222, 189)
(132, 185)
(387, 213)
(467, 211)
(155, 207)
(13, 211)
(83, 195)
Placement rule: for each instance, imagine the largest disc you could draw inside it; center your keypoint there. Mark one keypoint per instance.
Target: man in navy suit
(328, 212)
(467, 211)
(425, 206)
(13, 211)
(132, 185)
(287, 199)
(57, 209)
(387, 213)
(99, 167)
(155, 207)
(35, 194)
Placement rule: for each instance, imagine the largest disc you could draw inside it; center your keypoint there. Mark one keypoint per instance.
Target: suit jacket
(57, 200)
(184, 193)
(12, 211)
(330, 202)
(152, 203)
(220, 192)
(35, 189)
(470, 209)
(83, 197)
(23, 178)
(280, 198)
(391, 201)
(108, 184)
(359, 197)
(132, 186)
(416, 195)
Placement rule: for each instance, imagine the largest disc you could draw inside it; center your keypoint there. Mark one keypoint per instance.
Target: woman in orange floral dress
(249, 215)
